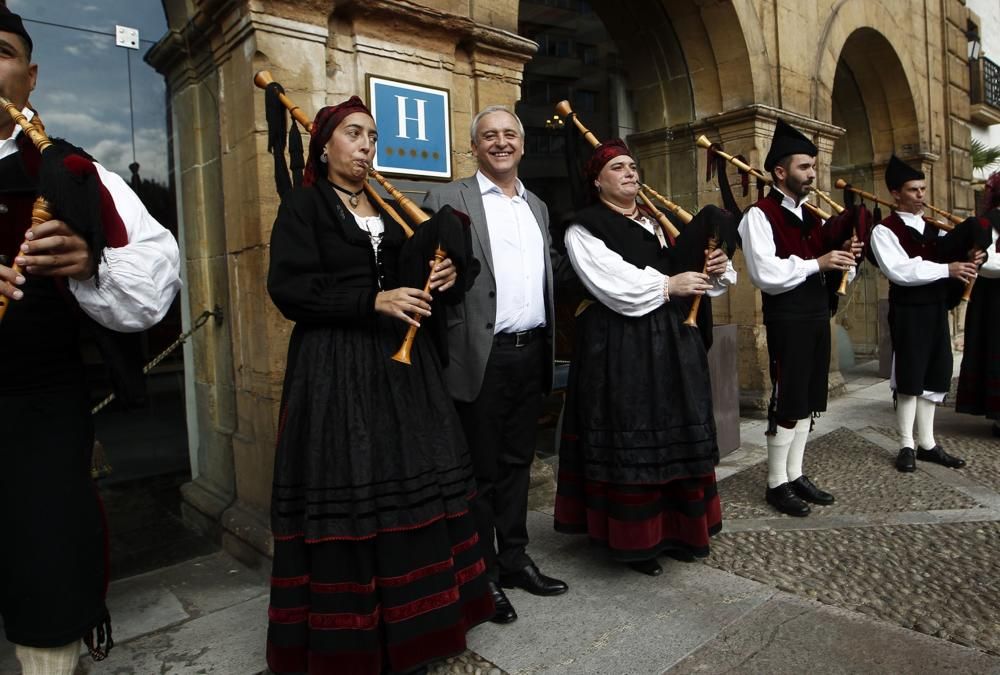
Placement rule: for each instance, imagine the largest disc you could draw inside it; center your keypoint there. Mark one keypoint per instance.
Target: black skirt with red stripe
(638, 453)
(377, 565)
(979, 378)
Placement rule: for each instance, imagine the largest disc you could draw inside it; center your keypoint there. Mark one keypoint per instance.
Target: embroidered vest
(802, 238)
(916, 245)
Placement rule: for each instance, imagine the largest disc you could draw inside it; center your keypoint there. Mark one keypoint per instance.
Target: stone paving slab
(942, 580)
(151, 602)
(226, 642)
(612, 619)
(858, 472)
(791, 635)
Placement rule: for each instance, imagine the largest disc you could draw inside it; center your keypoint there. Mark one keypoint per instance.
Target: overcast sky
(83, 85)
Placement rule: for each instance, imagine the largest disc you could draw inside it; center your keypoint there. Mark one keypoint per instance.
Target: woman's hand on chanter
(716, 262)
(400, 301)
(443, 275)
(689, 283)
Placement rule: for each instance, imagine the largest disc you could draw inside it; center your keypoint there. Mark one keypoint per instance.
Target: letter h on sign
(414, 128)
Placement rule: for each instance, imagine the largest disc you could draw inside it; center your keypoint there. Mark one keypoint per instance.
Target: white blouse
(620, 285)
(138, 281)
(896, 263)
(767, 271)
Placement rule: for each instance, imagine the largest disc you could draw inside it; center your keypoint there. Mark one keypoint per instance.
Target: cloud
(72, 124)
(54, 99)
(150, 153)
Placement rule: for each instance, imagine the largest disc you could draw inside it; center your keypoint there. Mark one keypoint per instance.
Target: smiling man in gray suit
(500, 342)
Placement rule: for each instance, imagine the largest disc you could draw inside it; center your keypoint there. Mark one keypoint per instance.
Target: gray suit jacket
(470, 324)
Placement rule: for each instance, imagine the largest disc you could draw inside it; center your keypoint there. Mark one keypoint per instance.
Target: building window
(585, 101)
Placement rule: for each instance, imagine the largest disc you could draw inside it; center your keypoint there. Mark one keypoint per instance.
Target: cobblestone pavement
(469, 663)
(920, 550)
(858, 472)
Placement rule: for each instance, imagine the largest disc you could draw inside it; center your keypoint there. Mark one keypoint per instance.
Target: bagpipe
(41, 210)
(950, 224)
(718, 225)
(861, 219)
(68, 189)
(276, 97)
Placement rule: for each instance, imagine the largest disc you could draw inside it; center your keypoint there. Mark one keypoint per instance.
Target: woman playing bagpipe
(979, 379)
(377, 566)
(636, 467)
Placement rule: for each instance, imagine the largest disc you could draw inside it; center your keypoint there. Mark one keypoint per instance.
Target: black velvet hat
(11, 23)
(787, 140)
(898, 172)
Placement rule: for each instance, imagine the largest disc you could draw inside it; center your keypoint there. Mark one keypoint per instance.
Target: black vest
(39, 335)
(916, 245)
(634, 243)
(792, 236)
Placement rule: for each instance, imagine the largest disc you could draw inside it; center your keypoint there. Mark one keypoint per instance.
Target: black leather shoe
(905, 461)
(996, 430)
(939, 456)
(785, 500)
(649, 567)
(533, 581)
(504, 612)
(807, 490)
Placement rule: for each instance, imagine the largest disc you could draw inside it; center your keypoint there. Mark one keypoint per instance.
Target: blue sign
(414, 128)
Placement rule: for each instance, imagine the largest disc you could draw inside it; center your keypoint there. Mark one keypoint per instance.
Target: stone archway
(686, 60)
(872, 100)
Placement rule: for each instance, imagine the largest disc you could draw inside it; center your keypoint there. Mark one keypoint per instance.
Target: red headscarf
(327, 120)
(603, 154)
(991, 196)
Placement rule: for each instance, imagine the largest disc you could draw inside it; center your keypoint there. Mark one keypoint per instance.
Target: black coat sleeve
(448, 229)
(297, 282)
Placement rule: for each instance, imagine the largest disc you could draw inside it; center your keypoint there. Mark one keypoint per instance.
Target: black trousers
(500, 427)
(921, 343)
(799, 355)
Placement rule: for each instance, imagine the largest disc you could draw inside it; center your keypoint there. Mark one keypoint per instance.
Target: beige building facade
(865, 78)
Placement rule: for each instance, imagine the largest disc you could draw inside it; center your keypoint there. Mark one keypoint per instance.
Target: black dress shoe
(649, 567)
(807, 490)
(905, 461)
(939, 456)
(996, 430)
(533, 581)
(504, 611)
(785, 500)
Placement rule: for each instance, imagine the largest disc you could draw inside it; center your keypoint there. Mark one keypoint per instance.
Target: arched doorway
(873, 101)
(622, 77)
(645, 70)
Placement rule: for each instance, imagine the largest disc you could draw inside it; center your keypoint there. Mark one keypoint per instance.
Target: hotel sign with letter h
(414, 129)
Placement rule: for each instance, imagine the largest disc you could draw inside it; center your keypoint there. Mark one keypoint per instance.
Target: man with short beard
(788, 253)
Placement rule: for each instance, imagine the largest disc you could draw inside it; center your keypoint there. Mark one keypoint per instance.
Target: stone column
(228, 202)
(747, 131)
(184, 57)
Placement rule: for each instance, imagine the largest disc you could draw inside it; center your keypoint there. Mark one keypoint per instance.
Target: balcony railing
(984, 90)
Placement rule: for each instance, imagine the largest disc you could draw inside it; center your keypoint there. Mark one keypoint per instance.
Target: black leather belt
(520, 338)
